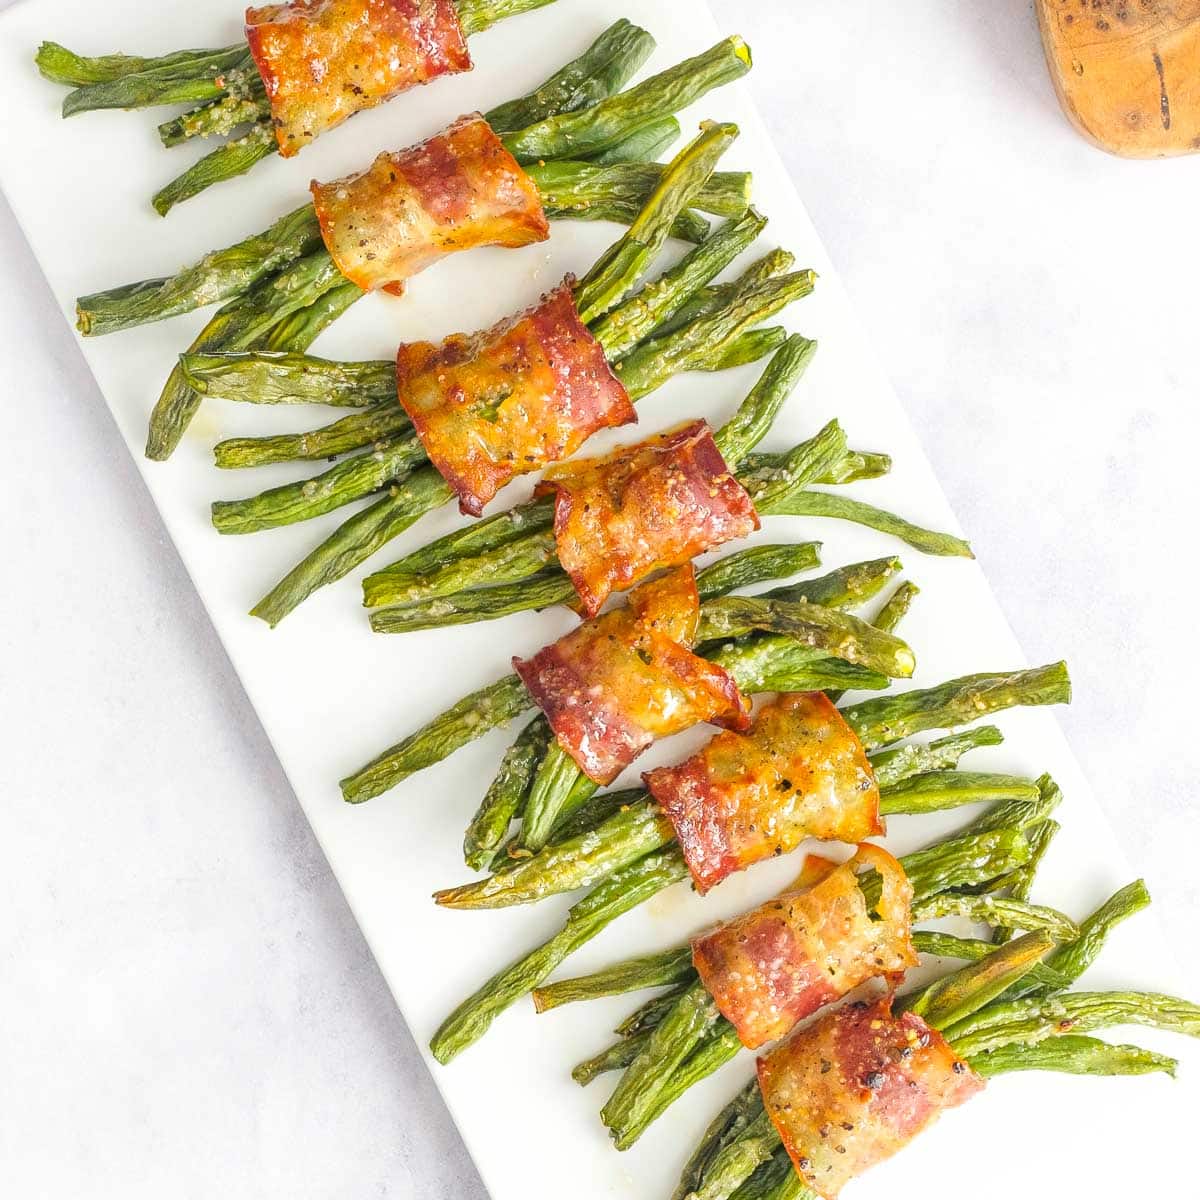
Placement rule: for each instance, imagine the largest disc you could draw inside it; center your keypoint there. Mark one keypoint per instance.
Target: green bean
(708, 300)
(776, 1179)
(826, 504)
(644, 144)
(1020, 883)
(896, 607)
(505, 797)
(188, 77)
(689, 226)
(716, 1048)
(219, 275)
(649, 1015)
(672, 966)
(298, 330)
(756, 668)
(746, 348)
(607, 65)
(227, 161)
(756, 565)
(655, 361)
(60, 65)
(1072, 960)
(946, 945)
(861, 464)
(615, 1058)
(931, 791)
(274, 377)
(638, 826)
(888, 719)
(892, 766)
(637, 317)
(470, 718)
(239, 325)
(368, 428)
(569, 864)
(692, 1016)
(349, 480)
(480, 538)
(724, 1129)
(1033, 1019)
(770, 488)
(618, 894)
(469, 578)
(531, 588)
(353, 540)
(997, 910)
(585, 805)
(836, 634)
(738, 1159)
(217, 118)
(843, 587)
(617, 270)
(590, 191)
(474, 16)
(959, 862)
(756, 414)
(543, 590)
(773, 663)
(1073, 1055)
(1020, 813)
(579, 134)
(595, 811)
(1069, 962)
(955, 997)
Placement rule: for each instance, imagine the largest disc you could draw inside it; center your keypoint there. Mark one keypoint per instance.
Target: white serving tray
(330, 694)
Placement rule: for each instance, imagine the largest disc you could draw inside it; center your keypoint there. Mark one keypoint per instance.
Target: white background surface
(188, 1005)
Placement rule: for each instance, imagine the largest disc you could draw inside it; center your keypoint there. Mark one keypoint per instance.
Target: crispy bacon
(494, 405)
(621, 680)
(786, 959)
(859, 1084)
(324, 60)
(656, 504)
(458, 190)
(801, 772)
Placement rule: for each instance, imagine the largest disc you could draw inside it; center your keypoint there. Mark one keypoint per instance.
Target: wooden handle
(1127, 72)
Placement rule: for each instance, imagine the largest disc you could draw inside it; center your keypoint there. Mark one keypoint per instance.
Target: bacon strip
(773, 967)
(621, 680)
(494, 405)
(655, 504)
(801, 772)
(458, 190)
(324, 60)
(850, 1090)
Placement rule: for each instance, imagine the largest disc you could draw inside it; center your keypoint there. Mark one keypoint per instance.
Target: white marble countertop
(189, 1008)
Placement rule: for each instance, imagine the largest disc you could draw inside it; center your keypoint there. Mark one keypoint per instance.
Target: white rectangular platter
(330, 694)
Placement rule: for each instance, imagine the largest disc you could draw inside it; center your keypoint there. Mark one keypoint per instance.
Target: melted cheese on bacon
(775, 966)
(800, 772)
(458, 190)
(324, 60)
(859, 1084)
(656, 504)
(494, 405)
(621, 680)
